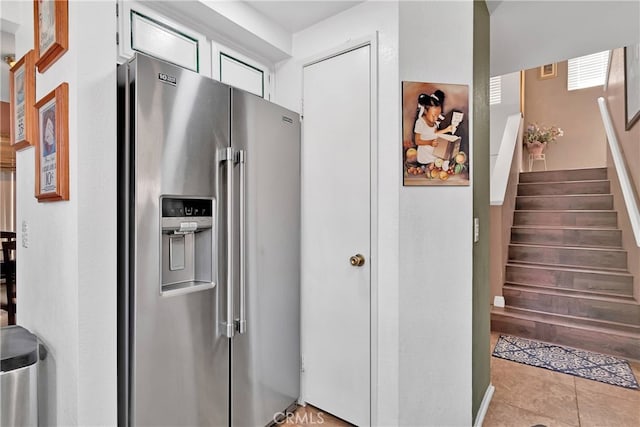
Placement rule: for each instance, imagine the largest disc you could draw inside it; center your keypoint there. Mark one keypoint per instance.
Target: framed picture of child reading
(435, 134)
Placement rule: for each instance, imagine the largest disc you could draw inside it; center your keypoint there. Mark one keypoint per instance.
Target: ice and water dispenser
(187, 244)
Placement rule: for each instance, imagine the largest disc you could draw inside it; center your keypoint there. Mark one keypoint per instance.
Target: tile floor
(527, 396)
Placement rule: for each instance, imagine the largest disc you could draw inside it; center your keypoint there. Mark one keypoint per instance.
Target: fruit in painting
(412, 155)
(461, 158)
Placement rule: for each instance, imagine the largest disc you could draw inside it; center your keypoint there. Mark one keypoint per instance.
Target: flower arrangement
(542, 134)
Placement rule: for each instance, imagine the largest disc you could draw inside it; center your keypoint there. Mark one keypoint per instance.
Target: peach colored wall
(630, 144)
(548, 102)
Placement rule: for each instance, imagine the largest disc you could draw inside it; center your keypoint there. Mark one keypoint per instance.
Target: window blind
(495, 90)
(588, 71)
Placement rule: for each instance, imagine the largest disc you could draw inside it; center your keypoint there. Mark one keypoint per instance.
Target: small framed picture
(631, 85)
(22, 87)
(52, 149)
(51, 34)
(548, 71)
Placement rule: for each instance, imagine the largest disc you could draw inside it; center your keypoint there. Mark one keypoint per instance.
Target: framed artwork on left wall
(52, 149)
(51, 31)
(22, 89)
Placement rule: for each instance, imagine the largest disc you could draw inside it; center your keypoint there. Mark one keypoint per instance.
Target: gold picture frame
(51, 31)
(22, 113)
(52, 149)
(548, 71)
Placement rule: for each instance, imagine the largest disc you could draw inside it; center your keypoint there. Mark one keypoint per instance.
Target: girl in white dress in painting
(426, 127)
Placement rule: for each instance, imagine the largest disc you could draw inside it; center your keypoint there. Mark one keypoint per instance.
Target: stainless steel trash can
(18, 377)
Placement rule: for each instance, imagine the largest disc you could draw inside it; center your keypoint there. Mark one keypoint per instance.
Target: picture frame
(51, 35)
(52, 148)
(435, 134)
(22, 113)
(548, 71)
(631, 85)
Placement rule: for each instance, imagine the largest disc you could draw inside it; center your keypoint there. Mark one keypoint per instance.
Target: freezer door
(179, 369)
(266, 357)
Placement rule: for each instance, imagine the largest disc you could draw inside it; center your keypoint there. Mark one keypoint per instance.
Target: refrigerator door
(179, 360)
(265, 361)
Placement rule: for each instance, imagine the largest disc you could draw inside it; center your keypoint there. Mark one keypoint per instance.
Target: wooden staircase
(566, 280)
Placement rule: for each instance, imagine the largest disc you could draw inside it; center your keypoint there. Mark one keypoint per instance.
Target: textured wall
(548, 102)
(436, 235)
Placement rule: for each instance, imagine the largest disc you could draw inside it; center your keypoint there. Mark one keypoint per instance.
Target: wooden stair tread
(604, 326)
(567, 210)
(562, 245)
(567, 227)
(601, 169)
(574, 269)
(589, 248)
(567, 266)
(564, 182)
(564, 195)
(570, 292)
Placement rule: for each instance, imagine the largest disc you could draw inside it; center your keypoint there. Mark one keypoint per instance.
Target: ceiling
(298, 15)
(493, 5)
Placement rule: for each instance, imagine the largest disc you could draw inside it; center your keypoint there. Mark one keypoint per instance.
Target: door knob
(357, 260)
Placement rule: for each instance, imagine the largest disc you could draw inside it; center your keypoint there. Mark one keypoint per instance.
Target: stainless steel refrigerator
(209, 251)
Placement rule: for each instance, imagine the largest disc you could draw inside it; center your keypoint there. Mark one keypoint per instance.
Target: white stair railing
(621, 170)
(505, 161)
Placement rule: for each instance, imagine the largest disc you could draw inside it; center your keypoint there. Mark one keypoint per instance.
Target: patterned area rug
(581, 363)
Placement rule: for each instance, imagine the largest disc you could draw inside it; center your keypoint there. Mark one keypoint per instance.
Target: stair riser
(573, 306)
(608, 283)
(571, 219)
(563, 188)
(566, 256)
(570, 175)
(567, 237)
(565, 335)
(599, 202)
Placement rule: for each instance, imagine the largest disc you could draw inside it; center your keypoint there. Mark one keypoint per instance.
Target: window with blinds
(588, 71)
(495, 90)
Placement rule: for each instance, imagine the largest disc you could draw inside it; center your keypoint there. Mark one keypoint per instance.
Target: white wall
(7, 45)
(509, 105)
(361, 21)
(424, 287)
(436, 236)
(526, 34)
(67, 275)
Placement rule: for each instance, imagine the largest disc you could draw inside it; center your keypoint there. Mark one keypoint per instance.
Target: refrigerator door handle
(242, 321)
(226, 156)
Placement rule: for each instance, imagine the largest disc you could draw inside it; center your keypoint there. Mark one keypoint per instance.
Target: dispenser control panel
(182, 214)
(186, 207)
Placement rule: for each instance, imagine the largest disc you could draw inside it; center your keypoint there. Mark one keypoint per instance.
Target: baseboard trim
(484, 406)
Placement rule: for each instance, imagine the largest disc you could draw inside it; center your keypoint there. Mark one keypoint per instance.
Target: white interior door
(336, 225)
